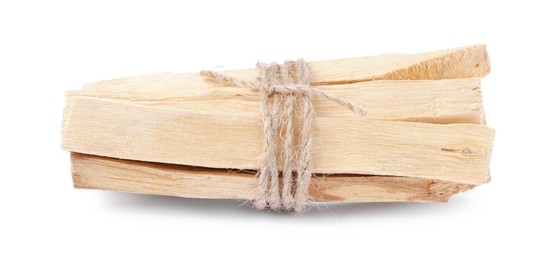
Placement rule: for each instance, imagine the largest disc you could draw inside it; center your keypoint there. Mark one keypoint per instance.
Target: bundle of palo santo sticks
(423, 138)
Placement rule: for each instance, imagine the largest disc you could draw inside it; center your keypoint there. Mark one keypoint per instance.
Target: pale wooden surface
(464, 62)
(430, 101)
(120, 129)
(94, 172)
(424, 137)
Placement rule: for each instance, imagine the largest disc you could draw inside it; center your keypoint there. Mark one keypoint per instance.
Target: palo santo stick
(121, 129)
(431, 101)
(465, 62)
(94, 172)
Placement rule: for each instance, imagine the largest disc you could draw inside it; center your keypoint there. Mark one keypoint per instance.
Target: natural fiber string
(274, 199)
(304, 167)
(288, 113)
(286, 84)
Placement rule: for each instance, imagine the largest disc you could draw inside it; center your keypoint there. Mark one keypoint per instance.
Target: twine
(286, 85)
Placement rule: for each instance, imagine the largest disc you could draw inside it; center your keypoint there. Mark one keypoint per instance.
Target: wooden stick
(465, 62)
(121, 129)
(183, 119)
(431, 101)
(94, 172)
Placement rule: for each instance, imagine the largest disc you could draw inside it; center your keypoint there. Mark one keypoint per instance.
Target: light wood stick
(121, 129)
(465, 62)
(94, 172)
(432, 101)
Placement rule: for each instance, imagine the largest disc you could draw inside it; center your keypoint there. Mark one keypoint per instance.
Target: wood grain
(121, 129)
(464, 62)
(424, 137)
(95, 172)
(430, 101)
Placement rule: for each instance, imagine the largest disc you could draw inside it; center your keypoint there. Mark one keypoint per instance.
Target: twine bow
(286, 84)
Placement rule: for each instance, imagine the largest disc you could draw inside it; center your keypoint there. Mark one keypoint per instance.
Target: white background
(48, 47)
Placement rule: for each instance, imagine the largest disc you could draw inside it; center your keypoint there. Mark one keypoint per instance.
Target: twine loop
(288, 86)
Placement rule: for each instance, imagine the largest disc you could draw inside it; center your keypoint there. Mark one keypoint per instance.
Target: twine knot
(289, 87)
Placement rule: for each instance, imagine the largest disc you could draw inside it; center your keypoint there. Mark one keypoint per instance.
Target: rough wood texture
(465, 62)
(119, 129)
(424, 137)
(430, 101)
(95, 172)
